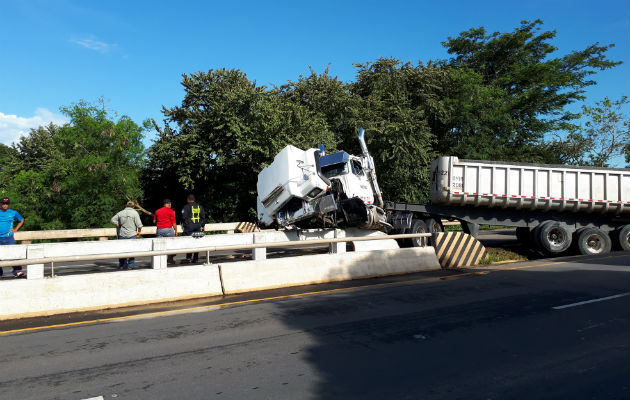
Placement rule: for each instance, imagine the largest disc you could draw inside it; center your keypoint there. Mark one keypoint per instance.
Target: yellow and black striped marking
(457, 249)
(246, 227)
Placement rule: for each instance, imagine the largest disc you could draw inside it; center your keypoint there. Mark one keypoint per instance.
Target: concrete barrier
(37, 296)
(28, 298)
(14, 252)
(248, 276)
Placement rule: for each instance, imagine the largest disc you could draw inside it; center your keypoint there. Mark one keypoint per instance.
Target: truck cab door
(358, 183)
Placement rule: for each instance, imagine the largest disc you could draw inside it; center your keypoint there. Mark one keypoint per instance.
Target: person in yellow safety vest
(193, 220)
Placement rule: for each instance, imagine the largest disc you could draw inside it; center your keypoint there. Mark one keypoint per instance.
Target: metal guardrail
(206, 249)
(26, 237)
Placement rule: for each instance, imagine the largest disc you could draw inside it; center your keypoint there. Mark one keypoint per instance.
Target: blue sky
(132, 53)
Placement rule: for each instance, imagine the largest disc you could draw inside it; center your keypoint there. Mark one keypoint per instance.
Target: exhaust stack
(371, 171)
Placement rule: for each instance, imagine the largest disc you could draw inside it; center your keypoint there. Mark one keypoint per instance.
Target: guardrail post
(35, 271)
(103, 238)
(159, 262)
(339, 247)
(260, 253)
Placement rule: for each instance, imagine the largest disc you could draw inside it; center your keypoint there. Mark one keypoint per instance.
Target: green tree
(227, 129)
(602, 139)
(330, 100)
(525, 89)
(395, 99)
(7, 154)
(608, 129)
(76, 175)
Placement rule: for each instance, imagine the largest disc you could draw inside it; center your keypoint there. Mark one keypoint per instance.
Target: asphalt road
(526, 330)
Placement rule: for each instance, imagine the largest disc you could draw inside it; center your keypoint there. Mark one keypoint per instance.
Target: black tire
(534, 237)
(621, 238)
(592, 241)
(522, 235)
(401, 242)
(407, 242)
(433, 226)
(418, 226)
(553, 237)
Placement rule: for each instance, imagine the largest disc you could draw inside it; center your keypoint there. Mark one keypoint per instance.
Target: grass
(508, 253)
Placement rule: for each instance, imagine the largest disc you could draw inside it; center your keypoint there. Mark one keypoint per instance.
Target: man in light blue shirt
(7, 218)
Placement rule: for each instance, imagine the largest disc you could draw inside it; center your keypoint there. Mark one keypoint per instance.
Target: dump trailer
(553, 207)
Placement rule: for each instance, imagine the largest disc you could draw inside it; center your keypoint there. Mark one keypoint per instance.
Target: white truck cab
(311, 189)
(349, 171)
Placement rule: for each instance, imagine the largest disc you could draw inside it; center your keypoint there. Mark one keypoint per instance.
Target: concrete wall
(248, 276)
(23, 298)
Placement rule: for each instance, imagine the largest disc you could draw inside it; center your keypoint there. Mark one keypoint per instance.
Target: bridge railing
(35, 256)
(27, 237)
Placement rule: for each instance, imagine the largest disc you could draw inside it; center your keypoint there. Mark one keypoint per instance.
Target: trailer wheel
(433, 226)
(418, 226)
(621, 237)
(591, 241)
(522, 235)
(553, 237)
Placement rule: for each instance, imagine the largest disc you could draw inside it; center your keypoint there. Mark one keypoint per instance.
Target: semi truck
(554, 208)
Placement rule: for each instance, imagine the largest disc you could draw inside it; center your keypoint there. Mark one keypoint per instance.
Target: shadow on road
(491, 336)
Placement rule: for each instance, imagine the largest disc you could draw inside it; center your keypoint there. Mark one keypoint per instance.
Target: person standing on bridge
(164, 220)
(128, 226)
(193, 220)
(7, 219)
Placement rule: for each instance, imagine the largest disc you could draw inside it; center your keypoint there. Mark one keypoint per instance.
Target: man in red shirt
(164, 220)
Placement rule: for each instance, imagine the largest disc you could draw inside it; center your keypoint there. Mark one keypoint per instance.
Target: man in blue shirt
(7, 217)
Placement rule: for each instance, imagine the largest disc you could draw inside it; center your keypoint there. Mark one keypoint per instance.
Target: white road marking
(95, 398)
(591, 301)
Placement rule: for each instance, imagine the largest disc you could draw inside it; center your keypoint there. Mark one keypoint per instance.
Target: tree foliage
(603, 138)
(524, 89)
(76, 175)
(226, 130)
(395, 98)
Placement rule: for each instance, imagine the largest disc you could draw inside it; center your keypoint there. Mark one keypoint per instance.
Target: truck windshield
(356, 167)
(335, 170)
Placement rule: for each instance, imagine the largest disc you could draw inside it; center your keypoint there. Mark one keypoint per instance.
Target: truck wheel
(418, 226)
(553, 237)
(433, 226)
(621, 238)
(591, 241)
(522, 235)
